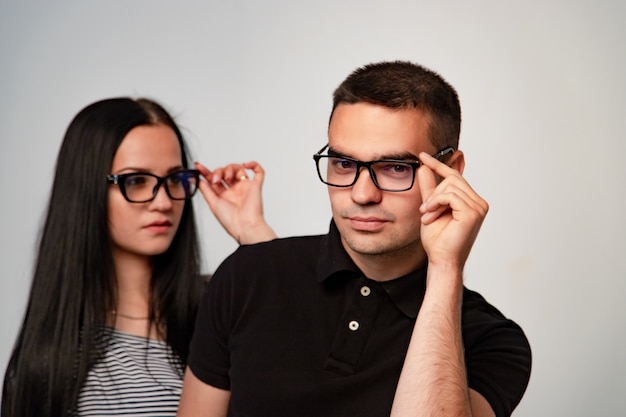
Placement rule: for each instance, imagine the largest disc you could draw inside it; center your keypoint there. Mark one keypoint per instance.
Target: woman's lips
(159, 227)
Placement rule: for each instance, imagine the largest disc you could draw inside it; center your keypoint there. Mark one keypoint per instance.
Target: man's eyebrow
(400, 156)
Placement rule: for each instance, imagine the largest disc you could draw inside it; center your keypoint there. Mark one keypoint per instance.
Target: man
(329, 325)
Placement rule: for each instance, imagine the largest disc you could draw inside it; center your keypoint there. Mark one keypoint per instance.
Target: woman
(116, 282)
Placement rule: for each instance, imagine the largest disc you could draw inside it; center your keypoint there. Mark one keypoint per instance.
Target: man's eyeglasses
(141, 187)
(387, 174)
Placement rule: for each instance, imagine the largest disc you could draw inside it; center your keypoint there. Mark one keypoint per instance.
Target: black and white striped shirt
(133, 378)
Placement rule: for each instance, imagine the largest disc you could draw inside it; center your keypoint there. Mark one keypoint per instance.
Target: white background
(543, 94)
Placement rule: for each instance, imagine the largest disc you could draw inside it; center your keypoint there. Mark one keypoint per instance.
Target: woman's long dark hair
(74, 289)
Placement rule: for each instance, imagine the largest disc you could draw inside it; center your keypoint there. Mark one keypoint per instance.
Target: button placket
(354, 331)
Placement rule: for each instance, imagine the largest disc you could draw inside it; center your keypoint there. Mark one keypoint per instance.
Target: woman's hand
(236, 200)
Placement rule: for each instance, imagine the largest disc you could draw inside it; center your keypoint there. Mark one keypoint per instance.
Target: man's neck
(385, 267)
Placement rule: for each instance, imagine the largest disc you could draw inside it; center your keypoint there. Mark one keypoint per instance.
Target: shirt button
(365, 291)
(353, 325)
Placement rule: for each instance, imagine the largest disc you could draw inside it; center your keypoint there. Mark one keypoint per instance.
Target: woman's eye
(135, 180)
(178, 178)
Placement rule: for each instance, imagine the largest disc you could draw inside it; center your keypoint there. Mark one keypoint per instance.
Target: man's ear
(457, 161)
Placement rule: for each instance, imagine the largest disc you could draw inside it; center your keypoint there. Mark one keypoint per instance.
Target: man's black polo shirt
(292, 328)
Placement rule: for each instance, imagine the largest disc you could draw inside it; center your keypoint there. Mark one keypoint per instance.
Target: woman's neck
(133, 275)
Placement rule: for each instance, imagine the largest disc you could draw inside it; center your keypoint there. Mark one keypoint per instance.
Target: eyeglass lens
(143, 187)
(342, 172)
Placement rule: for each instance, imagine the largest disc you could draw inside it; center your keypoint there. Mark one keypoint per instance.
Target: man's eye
(400, 168)
(396, 169)
(343, 163)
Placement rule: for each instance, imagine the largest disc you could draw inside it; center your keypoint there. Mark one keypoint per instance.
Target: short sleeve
(209, 357)
(497, 355)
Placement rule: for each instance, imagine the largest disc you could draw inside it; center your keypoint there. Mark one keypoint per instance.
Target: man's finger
(427, 182)
(436, 165)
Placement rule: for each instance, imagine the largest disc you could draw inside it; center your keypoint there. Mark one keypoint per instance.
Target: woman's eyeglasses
(141, 187)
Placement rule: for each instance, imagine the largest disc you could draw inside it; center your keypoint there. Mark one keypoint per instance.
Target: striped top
(133, 378)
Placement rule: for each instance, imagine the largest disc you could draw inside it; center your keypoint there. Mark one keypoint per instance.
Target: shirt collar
(405, 292)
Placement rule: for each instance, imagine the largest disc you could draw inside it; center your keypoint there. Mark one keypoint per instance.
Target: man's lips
(367, 224)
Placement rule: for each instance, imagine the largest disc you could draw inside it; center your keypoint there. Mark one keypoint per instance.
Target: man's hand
(434, 379)
(452, 212)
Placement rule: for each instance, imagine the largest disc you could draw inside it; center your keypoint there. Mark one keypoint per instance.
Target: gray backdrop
(543, 95)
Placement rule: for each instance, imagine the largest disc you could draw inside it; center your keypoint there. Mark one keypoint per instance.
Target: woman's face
(145, 229)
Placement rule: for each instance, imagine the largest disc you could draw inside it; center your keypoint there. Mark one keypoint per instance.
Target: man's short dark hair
(405, 85)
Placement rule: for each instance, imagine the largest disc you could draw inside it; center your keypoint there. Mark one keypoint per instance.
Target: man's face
(375, 223)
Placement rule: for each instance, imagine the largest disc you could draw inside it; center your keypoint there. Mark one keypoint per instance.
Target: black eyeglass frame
(119, 180)
(360, 164)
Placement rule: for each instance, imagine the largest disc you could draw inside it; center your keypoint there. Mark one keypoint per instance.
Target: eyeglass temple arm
(322, 150)
(443, 153)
